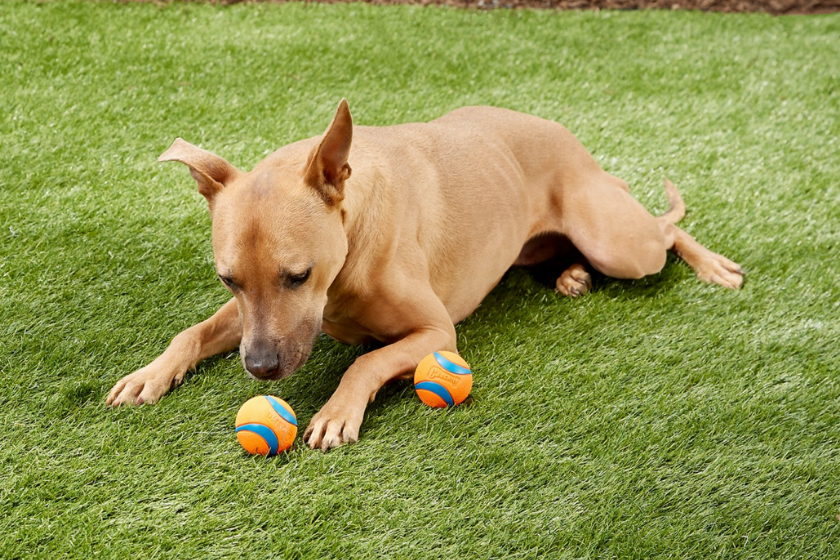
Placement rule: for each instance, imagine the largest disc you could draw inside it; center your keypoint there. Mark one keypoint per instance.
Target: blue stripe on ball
(264, 432)
(282, 411)
(438, 390)
(449, 366)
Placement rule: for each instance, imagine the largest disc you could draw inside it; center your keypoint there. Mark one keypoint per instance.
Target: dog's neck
(367, 200)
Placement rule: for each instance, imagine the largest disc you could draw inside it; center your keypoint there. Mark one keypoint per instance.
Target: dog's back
(469, 189)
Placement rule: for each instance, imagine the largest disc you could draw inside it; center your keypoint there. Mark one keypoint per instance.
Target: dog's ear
(210, 171)
(327, 167)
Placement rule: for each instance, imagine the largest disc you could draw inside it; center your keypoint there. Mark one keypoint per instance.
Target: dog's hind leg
(576, 281)
(616, 235)
(621, 239)
(709, 266)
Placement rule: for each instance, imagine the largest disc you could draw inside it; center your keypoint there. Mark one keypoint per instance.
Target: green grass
(663, 418)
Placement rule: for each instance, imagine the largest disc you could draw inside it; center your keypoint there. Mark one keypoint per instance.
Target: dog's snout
(262, 364)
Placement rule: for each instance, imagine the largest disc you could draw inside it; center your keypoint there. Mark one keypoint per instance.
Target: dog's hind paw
(575, 281)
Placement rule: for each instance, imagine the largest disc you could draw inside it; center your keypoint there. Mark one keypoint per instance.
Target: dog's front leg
(339, 420)
(220, 333)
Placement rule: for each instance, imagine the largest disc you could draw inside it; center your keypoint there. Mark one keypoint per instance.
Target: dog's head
(278, 241)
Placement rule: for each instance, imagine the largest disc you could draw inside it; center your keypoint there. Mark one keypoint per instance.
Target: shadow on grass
(653, 286)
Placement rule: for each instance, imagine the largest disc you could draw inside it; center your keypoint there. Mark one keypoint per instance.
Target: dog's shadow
(546, 275)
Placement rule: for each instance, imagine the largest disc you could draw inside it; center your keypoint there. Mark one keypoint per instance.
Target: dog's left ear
(327, 167)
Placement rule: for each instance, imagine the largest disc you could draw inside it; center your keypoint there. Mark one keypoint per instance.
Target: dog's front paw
(334, 425)
(145, 386)
(717, 269)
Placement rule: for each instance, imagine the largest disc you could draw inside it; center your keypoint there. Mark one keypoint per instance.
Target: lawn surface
(663, 418)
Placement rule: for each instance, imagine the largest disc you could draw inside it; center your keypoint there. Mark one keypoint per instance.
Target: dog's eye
(227, 281)
(298, 279)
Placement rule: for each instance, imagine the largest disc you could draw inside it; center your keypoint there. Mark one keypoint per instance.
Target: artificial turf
(662, 418)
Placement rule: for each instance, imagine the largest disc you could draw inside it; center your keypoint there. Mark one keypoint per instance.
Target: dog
(395, 234)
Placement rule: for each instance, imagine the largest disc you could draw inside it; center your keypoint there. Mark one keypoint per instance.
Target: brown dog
(403, 248)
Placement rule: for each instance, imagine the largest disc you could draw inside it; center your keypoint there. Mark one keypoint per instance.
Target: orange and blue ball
(443, 379)
(266, 426)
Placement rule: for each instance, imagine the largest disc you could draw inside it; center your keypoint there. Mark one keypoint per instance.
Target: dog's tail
(676, 212)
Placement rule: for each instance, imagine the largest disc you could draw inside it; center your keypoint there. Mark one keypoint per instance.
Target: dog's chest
(347, 332)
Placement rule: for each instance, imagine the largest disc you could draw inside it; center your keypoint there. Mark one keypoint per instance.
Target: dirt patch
(776, 7)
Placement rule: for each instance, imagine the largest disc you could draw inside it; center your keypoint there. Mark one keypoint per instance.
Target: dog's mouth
(273, 360)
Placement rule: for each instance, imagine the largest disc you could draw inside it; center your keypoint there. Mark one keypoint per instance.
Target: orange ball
(443, 379)
(266, 426)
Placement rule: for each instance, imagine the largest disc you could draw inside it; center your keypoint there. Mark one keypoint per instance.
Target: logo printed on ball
(438, 373)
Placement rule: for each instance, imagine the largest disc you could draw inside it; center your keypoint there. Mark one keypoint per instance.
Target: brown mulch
(776, 7)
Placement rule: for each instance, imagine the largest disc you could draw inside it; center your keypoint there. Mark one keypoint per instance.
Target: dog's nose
(262, 365)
